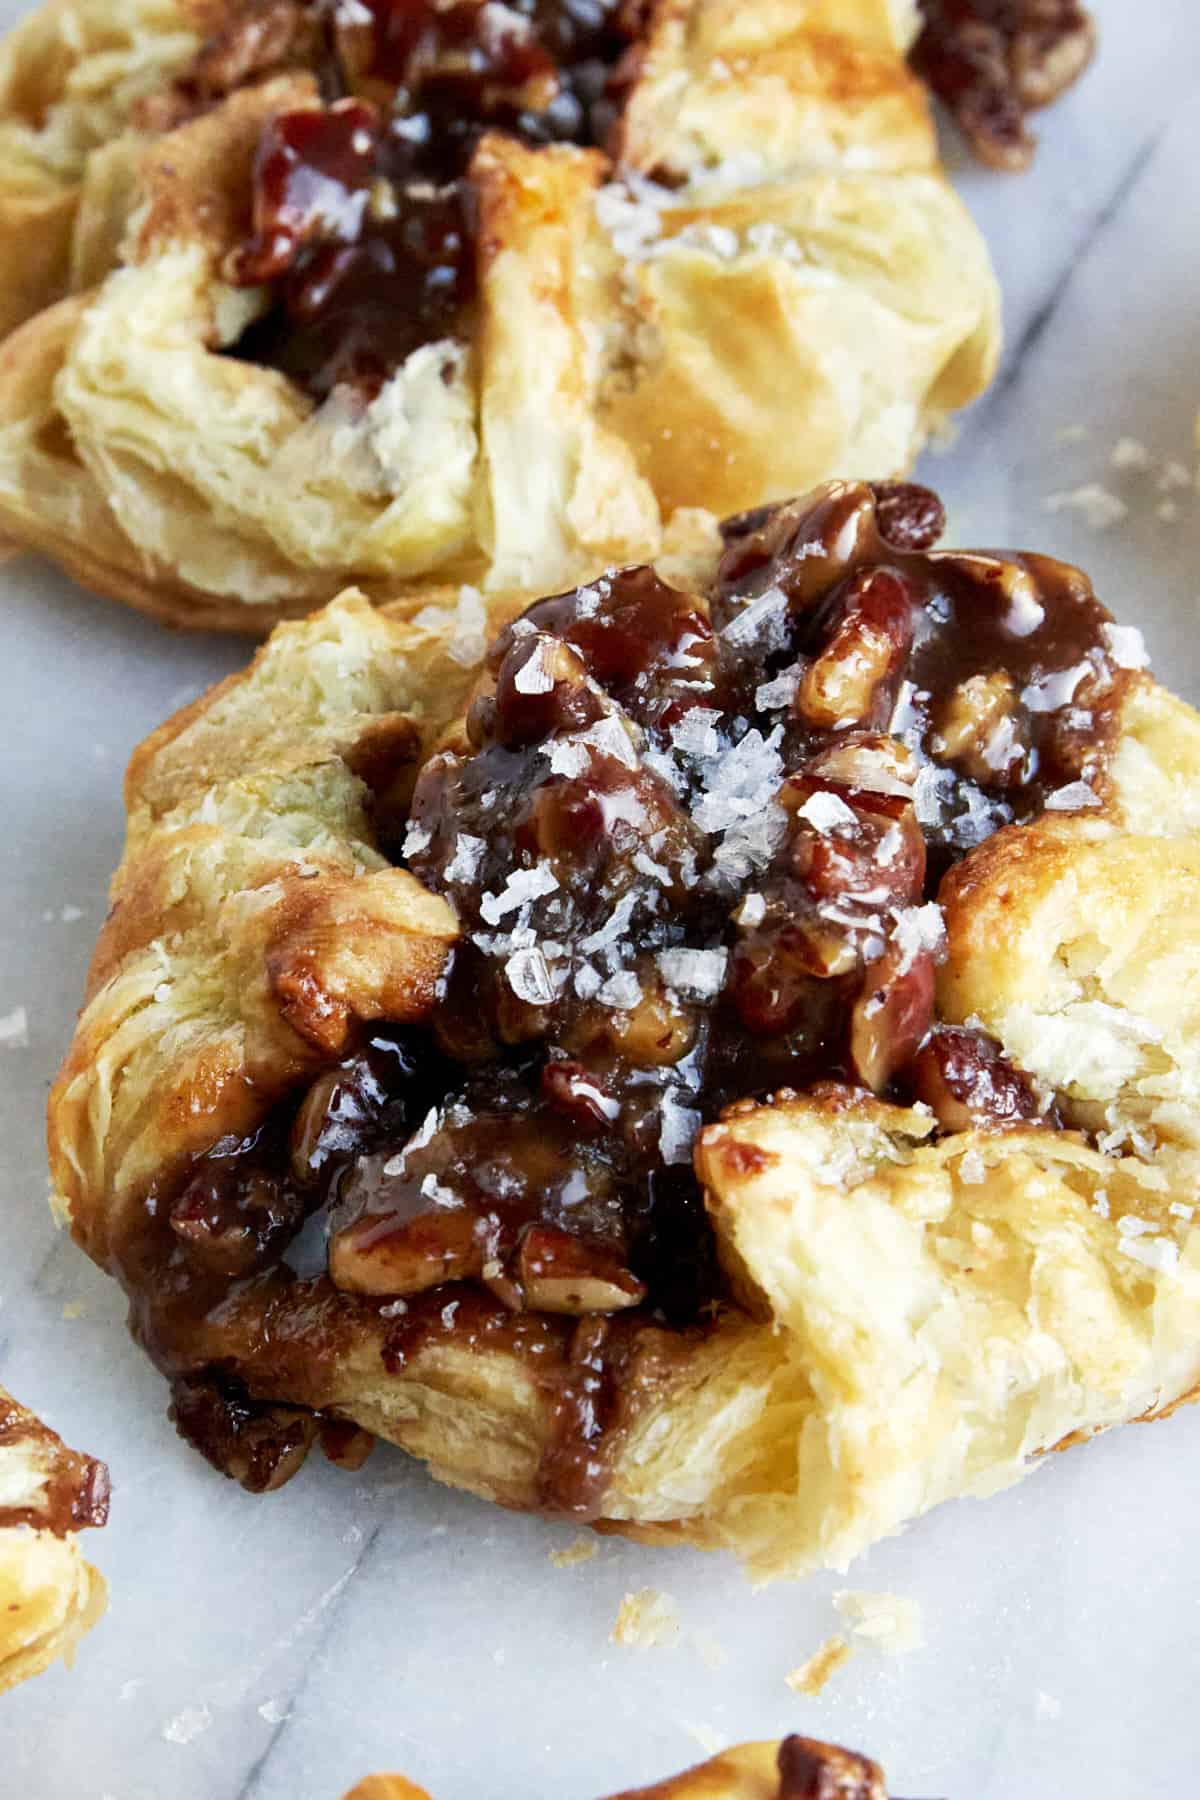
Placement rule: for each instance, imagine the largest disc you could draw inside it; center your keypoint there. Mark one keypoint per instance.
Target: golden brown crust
(807, 302)
(49, 1596)
(916, 1318)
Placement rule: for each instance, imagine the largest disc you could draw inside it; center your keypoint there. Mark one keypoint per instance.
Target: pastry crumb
(273, 1711)
(891, 1622)
(1098, 507)
(1130, 453)
(14, 1029)
(581, 1551)
(647, 1620)
(822, 1665)
(187, 1725)
(710, 1741)
(712, 1653)
(73, 1309)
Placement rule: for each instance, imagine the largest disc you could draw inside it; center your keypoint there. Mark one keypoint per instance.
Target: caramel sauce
(694, 842)
(364, 222)
(76, 1492)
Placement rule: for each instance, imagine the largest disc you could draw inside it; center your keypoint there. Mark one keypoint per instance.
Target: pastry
(49, 1596)
(71, 75)
(727, 1070)
(796, 1768)
(503, 329)
(995, 61)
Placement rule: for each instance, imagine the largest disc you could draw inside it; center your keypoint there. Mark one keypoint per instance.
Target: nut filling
(362, 208)
(694, 842)
(994, 61)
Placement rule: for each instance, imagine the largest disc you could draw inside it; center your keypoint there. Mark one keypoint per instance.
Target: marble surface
(282, 1647)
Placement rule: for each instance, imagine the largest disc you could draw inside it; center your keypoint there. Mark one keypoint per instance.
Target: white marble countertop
(279, 1648)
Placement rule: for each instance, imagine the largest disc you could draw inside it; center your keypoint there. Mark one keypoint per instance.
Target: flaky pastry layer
(916, 1317)
(806, 297)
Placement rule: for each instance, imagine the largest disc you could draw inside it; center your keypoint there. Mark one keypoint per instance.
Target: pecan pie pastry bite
(495, 290)
(49, 1596)
(732, 1074)
(796, 1768)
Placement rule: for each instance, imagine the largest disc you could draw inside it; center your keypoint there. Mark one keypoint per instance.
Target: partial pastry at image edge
(815, 314)
(794, 1768)
(50, 1597)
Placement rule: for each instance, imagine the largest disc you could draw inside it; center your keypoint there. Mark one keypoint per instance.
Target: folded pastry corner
(498, 325)
(795, 1768)
(49, 1596)
(717, 1056)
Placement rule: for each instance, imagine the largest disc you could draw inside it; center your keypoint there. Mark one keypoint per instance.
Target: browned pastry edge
(792, 1768)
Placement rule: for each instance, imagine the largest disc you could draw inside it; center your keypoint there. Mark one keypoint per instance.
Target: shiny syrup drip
(534, 1137)
(363, 219)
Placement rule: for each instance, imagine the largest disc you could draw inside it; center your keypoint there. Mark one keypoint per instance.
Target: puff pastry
(341, 349)
(857, 875)
(796, 1768)
(49, 1596)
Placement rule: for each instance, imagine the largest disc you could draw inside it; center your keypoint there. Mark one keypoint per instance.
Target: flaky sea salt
(751, 912)
(567, 756)
(416, 840)
(1126, 646)
(750, 843)
(700, 974)
(740, 783)
(696, 733)
(779, 692)
(533, 677)
(529, 977)
(621, 991)
(1072, 798)
(588, 981)
(761, 624)
(613, 928)
(825, 812)
(522, 886)
(919, 928)
(610, 738)
(468, 854)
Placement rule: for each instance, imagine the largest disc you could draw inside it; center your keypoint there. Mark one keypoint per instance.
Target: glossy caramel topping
(363, 219)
